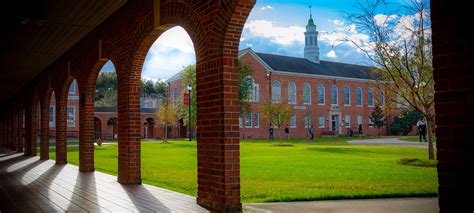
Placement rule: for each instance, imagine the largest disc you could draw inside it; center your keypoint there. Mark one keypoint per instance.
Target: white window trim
(291, 118)
(337, 96)
(361, 119)
(75, 121)
(346, 121)
(309, 85)
(345, 96)
(289, 93)
(273, 93)
(319, 122)
(324, 94)
(258, 116)
(373, 97)
(251, 120)
(361, 97)
(53, 123)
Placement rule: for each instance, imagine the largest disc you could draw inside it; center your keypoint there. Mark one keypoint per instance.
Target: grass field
(327, 169)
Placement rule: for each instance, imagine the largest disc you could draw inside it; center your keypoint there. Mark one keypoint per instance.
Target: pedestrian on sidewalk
(421, 126)
(311, 132)
(270, 132)
(287, 132)
(360, 131)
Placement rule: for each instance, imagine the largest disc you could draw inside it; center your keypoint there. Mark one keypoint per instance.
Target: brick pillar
(9, 128)
(61, 129)
(44, 151)
(21, 139)
(86, 131)
(15, 126)
(129, 130)
(454, 97)
(30, 130)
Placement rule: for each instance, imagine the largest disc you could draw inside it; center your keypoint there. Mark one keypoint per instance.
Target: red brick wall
(454, 97)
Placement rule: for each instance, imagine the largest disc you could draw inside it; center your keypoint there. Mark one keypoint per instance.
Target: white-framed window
(358, 96)
(306, 93)
(71, 116)
(52, 116)
(359, 119)
(248, 119)
(276, 91)
(321, 94)
(293, 121)
(334, 95)
(256, 120)
(321, 121)
(292, 93)
(240, 121)
(72, 88)
(371, 123)
(381, 98)
(307, 121)
(175, 96)
(347, 96)
(370, 97)
(255, 90)
(348, 121)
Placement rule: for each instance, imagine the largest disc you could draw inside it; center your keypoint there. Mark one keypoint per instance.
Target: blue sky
(274, 27)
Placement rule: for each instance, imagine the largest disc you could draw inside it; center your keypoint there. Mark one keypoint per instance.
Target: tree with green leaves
(400, 47)
(168, 116)
(189, 76)
(278, 114)
(403, 123)
(106, 90)
(377, 117)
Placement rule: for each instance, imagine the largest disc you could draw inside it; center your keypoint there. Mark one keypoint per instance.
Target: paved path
(392, 205)
(388, 142)
(32, 185)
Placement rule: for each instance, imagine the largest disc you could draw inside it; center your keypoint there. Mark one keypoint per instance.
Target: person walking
(270, 132)
(421, 126)
(287, 132)
(311, 132)
(360, 131)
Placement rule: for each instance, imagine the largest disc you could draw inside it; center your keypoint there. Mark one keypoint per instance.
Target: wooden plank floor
(28, 184)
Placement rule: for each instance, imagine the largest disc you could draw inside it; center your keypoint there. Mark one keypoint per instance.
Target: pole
(189, 114)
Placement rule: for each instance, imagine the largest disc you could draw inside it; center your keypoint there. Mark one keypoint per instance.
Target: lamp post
(189, 111)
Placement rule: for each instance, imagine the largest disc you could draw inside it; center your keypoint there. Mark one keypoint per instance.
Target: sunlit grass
(326, 169)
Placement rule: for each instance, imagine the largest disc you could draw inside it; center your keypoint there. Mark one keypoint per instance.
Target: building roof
(304, 66)
(176, 77)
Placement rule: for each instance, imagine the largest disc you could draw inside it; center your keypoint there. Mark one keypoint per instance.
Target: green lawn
(327, 169)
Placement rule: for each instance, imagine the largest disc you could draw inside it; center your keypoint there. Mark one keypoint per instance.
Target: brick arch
(45, 103)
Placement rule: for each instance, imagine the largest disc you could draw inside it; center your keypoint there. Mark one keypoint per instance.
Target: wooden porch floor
(28, 184)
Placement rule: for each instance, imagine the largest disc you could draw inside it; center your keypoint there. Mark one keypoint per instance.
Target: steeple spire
(311, 49)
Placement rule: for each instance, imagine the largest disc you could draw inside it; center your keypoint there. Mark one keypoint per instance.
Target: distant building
(333, 97)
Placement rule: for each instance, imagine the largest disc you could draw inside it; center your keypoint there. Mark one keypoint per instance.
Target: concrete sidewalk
(388, 142)
(392, 205)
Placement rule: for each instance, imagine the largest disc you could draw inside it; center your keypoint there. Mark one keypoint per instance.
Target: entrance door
(335, 123)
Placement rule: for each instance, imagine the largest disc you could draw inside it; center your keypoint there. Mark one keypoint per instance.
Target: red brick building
(105, 118)
(333, 97)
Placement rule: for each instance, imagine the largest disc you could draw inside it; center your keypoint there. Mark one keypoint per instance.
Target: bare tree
(400, 47)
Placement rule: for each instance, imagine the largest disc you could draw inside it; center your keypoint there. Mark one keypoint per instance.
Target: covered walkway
(33, 185)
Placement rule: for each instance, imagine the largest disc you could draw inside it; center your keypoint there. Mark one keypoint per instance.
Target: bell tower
(311, 49)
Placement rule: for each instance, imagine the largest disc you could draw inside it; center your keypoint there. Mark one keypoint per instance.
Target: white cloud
(382, 19)
(331, 54)
(336, 22)
(267, 7)
(280, 35)
(169, 54)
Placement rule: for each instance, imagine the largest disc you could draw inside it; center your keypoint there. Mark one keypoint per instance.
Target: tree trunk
(429, 122)
(166, 132)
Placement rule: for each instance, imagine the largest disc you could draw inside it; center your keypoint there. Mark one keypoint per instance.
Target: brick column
(9, 128)
(30, 131)
(61, 129)
(86, 131)
(15, 126)
(21, 139)
(44, 151)
(454, 97)
(129, 130)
